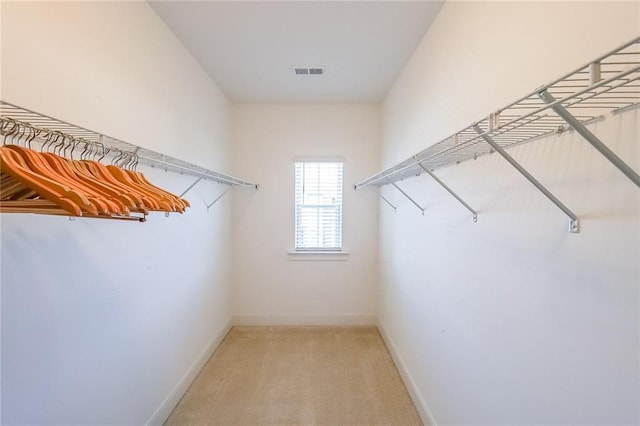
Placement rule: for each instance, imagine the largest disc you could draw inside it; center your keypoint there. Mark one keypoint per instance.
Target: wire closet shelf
(144, 156)
(608, 84)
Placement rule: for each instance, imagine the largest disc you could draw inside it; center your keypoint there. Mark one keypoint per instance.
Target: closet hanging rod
(530, 118)
(145, 156)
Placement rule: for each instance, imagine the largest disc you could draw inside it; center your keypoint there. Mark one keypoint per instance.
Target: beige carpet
(298, 376)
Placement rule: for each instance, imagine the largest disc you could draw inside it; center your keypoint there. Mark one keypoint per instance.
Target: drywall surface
(269, 285)
(513, 320)
(101, 320)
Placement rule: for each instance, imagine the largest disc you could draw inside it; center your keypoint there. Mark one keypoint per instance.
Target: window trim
(318, 255)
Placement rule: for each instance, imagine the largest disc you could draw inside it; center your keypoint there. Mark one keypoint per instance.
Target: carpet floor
(298, 376)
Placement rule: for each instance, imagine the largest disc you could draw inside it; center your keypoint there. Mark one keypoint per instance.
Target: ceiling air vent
(309, 70)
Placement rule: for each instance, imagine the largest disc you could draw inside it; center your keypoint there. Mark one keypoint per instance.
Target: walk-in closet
(319, 212)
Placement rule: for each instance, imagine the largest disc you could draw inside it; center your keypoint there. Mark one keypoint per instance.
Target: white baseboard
(305, 320)
(170, 402)
(414, 392)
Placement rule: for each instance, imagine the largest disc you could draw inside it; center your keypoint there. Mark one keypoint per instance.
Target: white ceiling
(249, 48)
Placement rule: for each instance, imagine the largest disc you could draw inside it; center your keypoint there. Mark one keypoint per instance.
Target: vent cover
(309, 70)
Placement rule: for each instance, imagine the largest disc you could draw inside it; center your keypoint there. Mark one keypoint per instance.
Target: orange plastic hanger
(12, 165)
(38, 166)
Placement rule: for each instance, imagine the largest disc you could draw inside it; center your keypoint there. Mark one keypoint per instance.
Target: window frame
(339, 207)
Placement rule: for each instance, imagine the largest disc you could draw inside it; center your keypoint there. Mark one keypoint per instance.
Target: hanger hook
(55, 143)
(34, 134)
(64, 144)
(28, 134)
(3, 128)
(11, 132)
(105, 151)
(48, 141)
(88, 147)
(91, 148)
(73, 144)
(91, 152)
(15, 139)
(116, 158)
(57, 149)
(127, 162)
(20, 133)
(121, 159)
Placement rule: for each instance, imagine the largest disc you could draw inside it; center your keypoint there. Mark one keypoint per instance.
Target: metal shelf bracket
(574, 226)
(218, 198)
(191, 186)
(395, 209)
(408, 197)
(450, 191)
(590, 137)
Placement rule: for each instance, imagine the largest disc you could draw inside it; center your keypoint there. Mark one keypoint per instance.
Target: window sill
(318, 255)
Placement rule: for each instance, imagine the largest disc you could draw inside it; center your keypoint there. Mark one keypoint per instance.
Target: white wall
(101, 320)
(513, 320)
(269, 286)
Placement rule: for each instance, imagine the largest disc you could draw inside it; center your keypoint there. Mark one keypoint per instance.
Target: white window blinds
(318, 206)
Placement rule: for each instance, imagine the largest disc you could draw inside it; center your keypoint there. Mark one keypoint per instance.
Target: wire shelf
(145, 156)
(609, 84)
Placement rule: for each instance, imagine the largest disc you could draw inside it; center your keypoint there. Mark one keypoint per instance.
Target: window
(318, 206)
